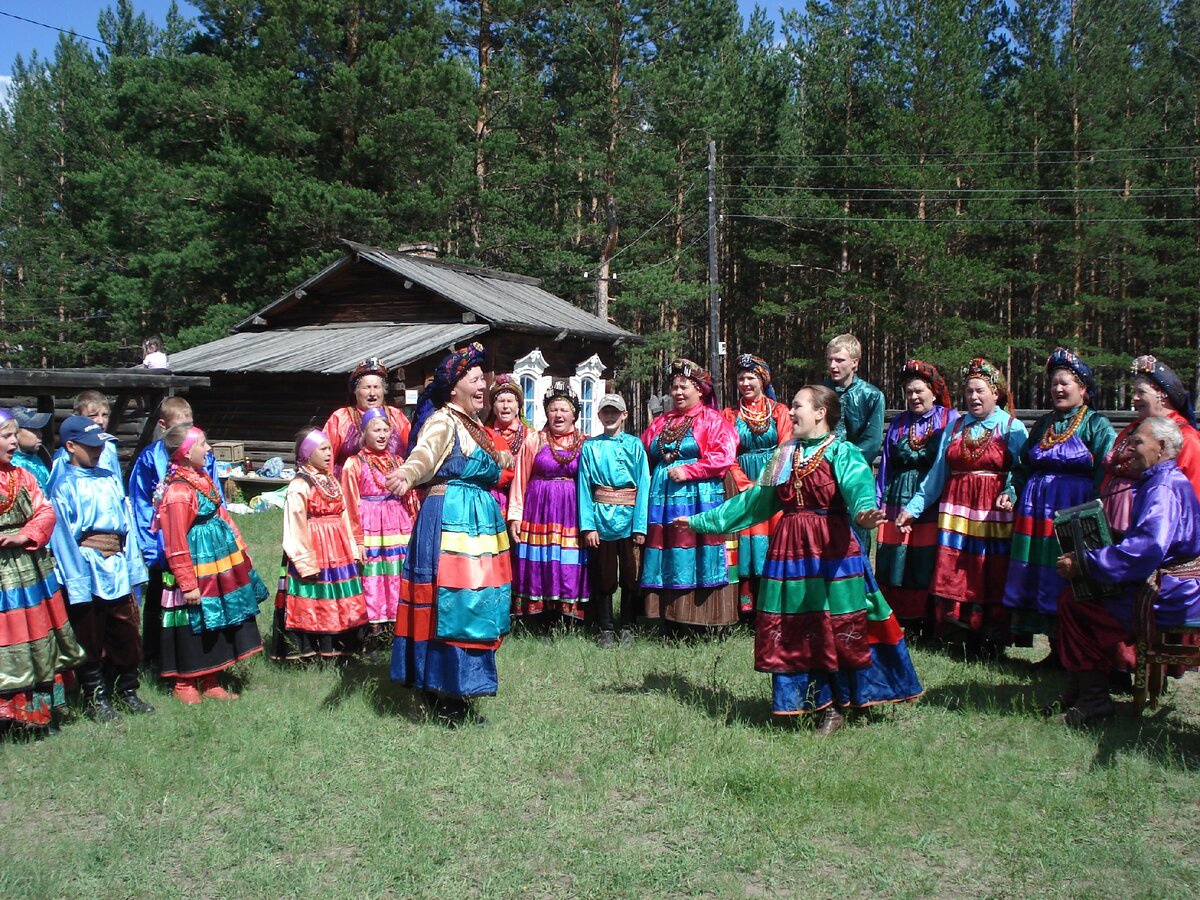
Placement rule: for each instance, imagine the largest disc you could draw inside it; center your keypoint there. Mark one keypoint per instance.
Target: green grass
(652, 771)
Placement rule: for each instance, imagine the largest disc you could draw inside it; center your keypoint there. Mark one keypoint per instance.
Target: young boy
(148, 470)
(614, 494)
(861, 422)
(30, 453)
(98, 563)
(95, 406)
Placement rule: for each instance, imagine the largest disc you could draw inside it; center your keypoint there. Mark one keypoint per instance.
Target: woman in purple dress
(1061, 466)
(550, 574)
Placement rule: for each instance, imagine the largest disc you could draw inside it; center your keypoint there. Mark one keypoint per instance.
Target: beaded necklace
(201, 485)
(478, 434)
(802, 468)
(566, 457)
(918, 441)
(1050, 439)
(758, 422)
(11, 487)
(516, 437)
(974, 448)
(670, 439)
(380, 465)
(1121, 459)
(325, 483)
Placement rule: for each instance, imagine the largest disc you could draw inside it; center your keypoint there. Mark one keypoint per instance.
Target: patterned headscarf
(748, 362)
(507, 384)
(370, 366)
(928, 373)
(560, 390)
(696, 375)
(447, 374)
(986, 370)
(1062, 358)
(1168, 382)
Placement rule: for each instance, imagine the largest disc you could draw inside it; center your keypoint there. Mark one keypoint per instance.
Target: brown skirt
(705, 606)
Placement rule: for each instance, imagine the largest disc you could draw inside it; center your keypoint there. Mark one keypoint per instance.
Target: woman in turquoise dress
(456, 586)
(762, 425)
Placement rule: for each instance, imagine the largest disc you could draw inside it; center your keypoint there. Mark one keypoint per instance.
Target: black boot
(127, 687)
(1093, 702)
(97, 705)
(1066, 699)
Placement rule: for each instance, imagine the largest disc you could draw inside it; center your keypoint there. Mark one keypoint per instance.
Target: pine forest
(945, 178)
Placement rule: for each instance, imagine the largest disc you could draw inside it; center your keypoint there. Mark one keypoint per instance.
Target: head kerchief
(189, 441)
(6, 417)
(370, 415)
(928, 373)
(748, 362)
(696, 375)
(309, 445)
(447, 374)
(1166, 379)
(1062, 358)
(987, 371)
(371, 366)
(507, 384)
(560, 389)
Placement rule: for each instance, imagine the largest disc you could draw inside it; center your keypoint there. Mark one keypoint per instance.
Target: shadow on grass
(372, 681)
(1155, 735)
(715, 701)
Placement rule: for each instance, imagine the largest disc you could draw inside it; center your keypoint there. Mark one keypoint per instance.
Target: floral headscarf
(447, 374)
(1168, 382)
(986, 370)
(696, 375)
(748, 362)
(1062, 358)
(928, 373)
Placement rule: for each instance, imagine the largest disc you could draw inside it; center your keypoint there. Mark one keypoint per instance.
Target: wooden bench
(1157, 650)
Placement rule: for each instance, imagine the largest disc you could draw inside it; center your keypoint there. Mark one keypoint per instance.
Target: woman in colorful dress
(320, 610)
(509, 429)
(972, 469)
(1060, 467)
(550, 574)
(37, 643)
(830, 642)
(1157, 391)
(382, 523)
(685, 579)
(210, 611)
(455, 592)
(904, 560)
(368, 385)
(762, 424)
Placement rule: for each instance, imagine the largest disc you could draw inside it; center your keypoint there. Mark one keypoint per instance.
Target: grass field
(650, 771)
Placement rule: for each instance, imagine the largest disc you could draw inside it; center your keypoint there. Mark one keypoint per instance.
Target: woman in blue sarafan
(456, 585)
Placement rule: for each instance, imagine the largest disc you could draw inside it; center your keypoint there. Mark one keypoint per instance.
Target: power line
(960, 221)
(71, 32)
(1033, 192)
(1046, 163)
(958, 155)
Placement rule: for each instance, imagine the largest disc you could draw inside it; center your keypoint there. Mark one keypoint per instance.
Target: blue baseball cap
(30, 418)
(83, 430)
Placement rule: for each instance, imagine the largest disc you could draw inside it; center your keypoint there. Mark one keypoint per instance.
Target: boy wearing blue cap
(98, 563)
(30, 454)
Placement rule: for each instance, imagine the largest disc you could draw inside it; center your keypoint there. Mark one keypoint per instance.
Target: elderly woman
(1060, 467)
(904, 560)
(762, 425)
(508, 427)
(550, 573)
(830, 642)
(455, 589)
(685, 577)
(1157, 391)
(1162, 544)
(972, 470)
(368, 385)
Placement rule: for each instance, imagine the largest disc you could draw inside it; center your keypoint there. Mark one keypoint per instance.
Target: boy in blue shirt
(98, 563)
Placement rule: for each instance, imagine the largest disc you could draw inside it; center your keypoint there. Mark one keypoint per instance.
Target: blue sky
(17, 37)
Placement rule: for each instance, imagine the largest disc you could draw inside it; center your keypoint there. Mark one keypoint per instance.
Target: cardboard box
(229, 451)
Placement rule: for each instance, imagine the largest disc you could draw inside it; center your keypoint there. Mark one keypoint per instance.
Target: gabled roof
(323, 349)
(499, 298)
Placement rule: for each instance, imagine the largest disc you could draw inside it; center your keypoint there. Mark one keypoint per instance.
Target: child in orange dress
(320, 610)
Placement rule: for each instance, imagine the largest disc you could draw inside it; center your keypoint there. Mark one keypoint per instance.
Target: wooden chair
(1156, 650)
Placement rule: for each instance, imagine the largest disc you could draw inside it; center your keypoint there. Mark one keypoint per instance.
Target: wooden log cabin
(286, 366)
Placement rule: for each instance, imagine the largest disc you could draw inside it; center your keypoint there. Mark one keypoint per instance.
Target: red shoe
(211, 688)
(185, 691)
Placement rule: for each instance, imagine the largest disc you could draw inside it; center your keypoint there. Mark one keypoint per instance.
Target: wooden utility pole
(714, 297)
